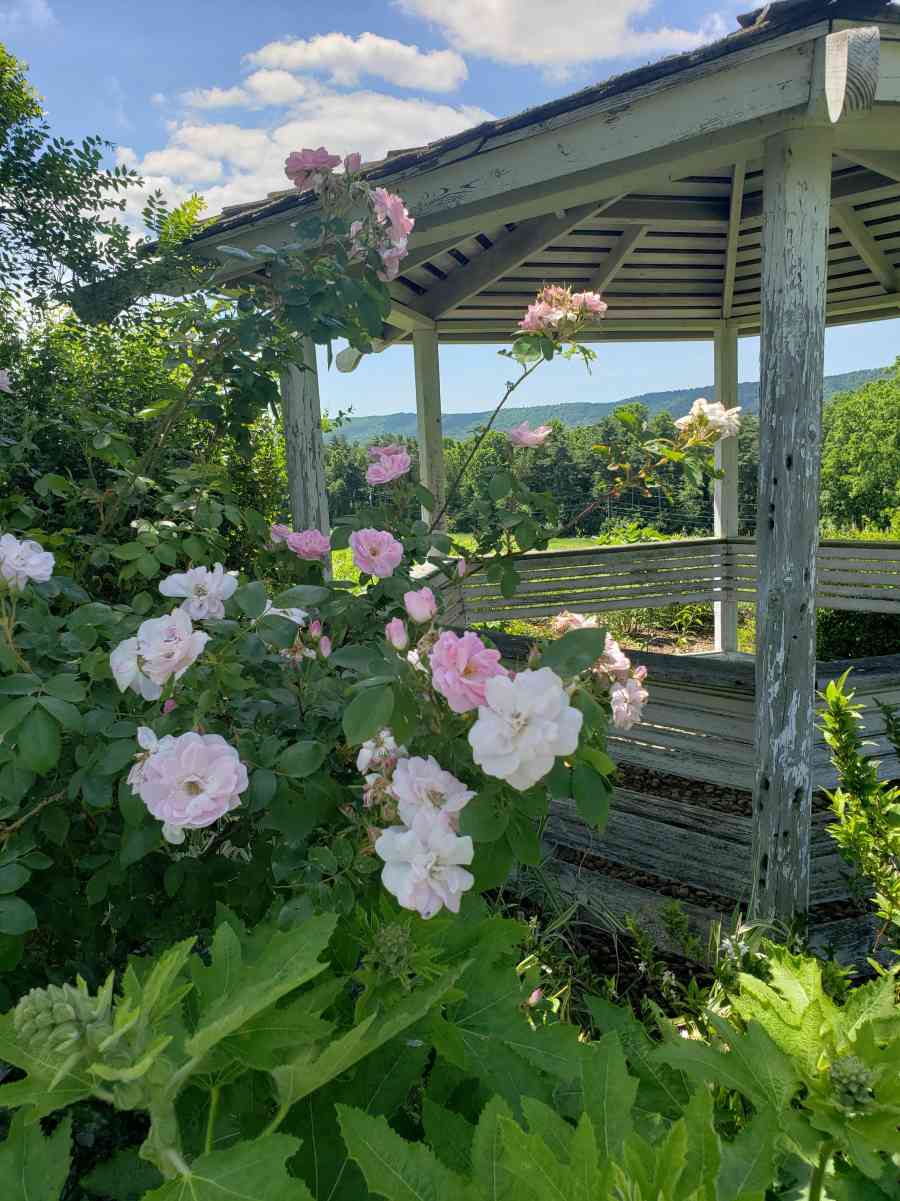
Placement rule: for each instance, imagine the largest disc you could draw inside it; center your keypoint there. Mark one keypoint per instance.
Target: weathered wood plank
(304, 451)
(428, 412)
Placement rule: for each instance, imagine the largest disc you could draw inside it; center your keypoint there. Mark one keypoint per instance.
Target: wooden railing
(851, 575)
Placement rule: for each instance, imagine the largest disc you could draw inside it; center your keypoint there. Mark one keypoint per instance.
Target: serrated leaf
(251, 598)
(302, 759)
(287, 960)
(38, 742)
(15, 712)
(394, 1168)
(704, 1154)
(249, 1171)
(449, 1135)
(489, 1168)
(302, 595)
(34, 1167)
(66, 687)
(368, 712)
(607, 1093)
(35, 1089)
(530, 1159)
(748, 1163)
(62, 711)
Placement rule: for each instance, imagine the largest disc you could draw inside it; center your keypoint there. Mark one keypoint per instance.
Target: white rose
(423, 865)
(126, 669)
(205, 591)
(168, 646)
(422, 785)
(525, 723)
(24, 561)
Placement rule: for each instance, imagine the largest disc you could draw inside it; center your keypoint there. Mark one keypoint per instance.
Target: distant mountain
(460, 425)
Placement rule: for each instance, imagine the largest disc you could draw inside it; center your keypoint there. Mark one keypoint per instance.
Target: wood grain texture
(304, 453)
(725, 490)
(430, 432)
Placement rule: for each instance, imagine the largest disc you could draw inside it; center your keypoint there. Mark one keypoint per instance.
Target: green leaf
(128, 550)
(12, 877)
(64, 712)
(249, 1171)
(20, 684)
(301, 596)
(449, 1135)
(522, 835)
(748, 1163)
(574, 652)
(500, 485)
(32, 1167)
(704, 1152)
(263, 786)
(368, 712)
(592, 794)
(123, 1177)
(15, 712)
(232, 991)
(489, 1165)
(66, 687)
(251, 598)
(529, 1158)
(302, 759)
(35, 1089)
(394, 1168)
(492, 864)
(607, 1093)
(117, 756)
(136, 844)
(425, 498)
(485, 817)
(39, 743)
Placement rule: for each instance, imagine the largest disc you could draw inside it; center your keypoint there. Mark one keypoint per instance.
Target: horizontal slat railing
(851, 575)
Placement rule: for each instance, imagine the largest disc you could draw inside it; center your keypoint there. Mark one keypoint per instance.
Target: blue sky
(209, 96)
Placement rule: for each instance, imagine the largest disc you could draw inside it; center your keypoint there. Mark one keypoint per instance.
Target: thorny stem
(454, 487)
(6, 832)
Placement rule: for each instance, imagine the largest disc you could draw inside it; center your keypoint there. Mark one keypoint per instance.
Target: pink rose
(541, 318)
(390, 209)
(589, 302)
(627, 701)
(324, 646)
(169, 705)
(375, 552)
(388, 468)
(352, 163)
(280, 533)
(315, 629)
(421, 605)
(309, 544)
(396, 634)
(303, 166)
(565, 621)
(374, 453)
(614, 662)
(192, 780)
(524, 435)
(460, 668)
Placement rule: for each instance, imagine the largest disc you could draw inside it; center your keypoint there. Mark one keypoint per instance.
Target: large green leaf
(394, 1168)
(489, 1168)
(368, 712)
(316, 1065)
(704, 1151)
(38, 742)
(607, 1093)
(32, 1167)
(574, 652)
(748, 1163)
(249, 1171)
(123, 1177)
(232, 991)
(539, 1172)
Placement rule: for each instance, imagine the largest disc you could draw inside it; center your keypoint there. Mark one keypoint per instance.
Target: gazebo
(751, 186)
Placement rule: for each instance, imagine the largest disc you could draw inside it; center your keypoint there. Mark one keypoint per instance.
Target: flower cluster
(311, 168)
(306, 544)
(205, 591)
(565, 621)
(187, 782)
(313, 644)
(559, 313)
(524, 723)
(387, 463)
(710, 419)
(376, 761)
(23, 561)
(627, 694)
(163, 649)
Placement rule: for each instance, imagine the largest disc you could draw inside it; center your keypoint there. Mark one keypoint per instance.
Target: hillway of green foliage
(257, 941)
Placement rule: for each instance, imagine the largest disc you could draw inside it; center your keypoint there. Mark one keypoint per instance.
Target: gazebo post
(725, 490)
(428, 411)
(304, 450)
(796, 197)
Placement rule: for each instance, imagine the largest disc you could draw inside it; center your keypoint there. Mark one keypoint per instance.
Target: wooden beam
(529, 238)
(885, 162)
(617, 257)
(428, 410)
(797, 180)
(407, 318)
(725, 490)
(736, 208)
(865, 245)
(304, 452)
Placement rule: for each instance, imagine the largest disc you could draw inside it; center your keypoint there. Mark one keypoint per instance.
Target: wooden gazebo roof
(648, 188)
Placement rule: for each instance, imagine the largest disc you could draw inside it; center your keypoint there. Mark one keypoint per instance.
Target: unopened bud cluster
(852, 1082)
(61, 1019)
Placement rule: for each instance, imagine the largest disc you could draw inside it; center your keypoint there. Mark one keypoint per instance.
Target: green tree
(861, 455)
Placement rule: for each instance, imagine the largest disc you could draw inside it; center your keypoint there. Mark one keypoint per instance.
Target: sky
(209, 96)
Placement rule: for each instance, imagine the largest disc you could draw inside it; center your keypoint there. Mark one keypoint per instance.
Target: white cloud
(18, 16)
(261, 89)
(229, 163)
(346, 59)
(569, 34)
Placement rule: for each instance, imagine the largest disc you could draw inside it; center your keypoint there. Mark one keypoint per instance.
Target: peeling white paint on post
(304, 451)
(725, 490)
(797, 185)
(428, 410)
